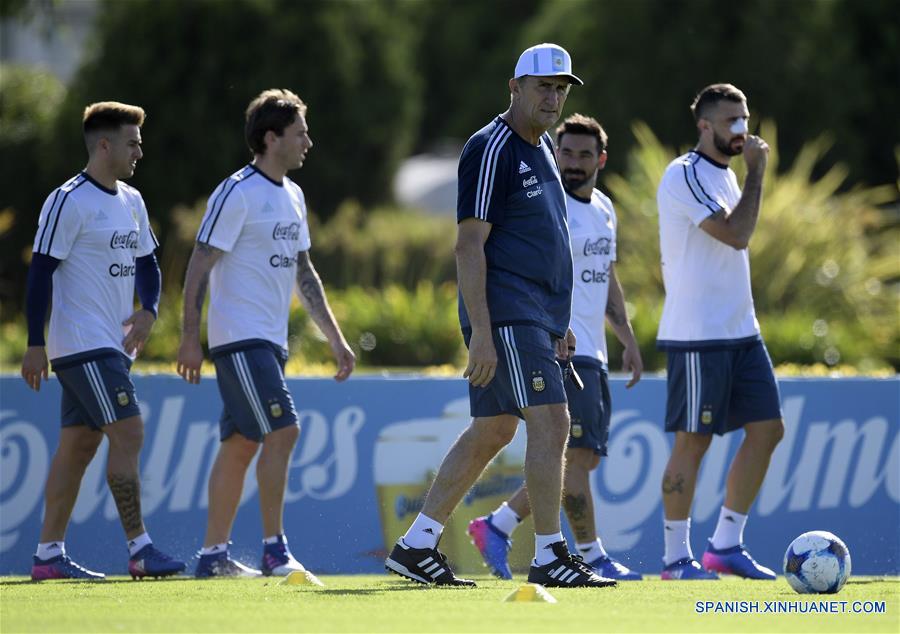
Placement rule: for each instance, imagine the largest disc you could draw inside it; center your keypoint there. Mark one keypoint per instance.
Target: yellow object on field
(530, 593)
(301, 577)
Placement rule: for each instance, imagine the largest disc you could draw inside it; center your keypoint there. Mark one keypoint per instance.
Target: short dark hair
(274, 109)
(581, 124)
(713, 94)
(109, 116)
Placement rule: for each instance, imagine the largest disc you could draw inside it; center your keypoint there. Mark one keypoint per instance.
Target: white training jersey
(708, 299)
(592, 231)
(97, 233)
(261, 225)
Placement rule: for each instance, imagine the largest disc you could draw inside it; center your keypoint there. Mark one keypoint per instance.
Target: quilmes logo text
(178, 458)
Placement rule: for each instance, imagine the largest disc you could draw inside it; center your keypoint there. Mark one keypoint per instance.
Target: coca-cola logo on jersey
(600, 246)
(124, 240)
(286, 232)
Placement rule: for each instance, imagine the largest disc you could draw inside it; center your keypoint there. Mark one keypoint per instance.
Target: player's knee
(496, 437)
(767, 434)
(83, 449)
(126, 436)
(691, 446)
(284, 438)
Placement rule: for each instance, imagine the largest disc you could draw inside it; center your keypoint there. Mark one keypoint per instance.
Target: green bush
(383, 247)
(388, 327)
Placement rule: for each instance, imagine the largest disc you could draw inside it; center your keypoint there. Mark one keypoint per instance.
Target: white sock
(135, 545)
(424, 532)
(542, 553)
(274, 539)
(215, 548)
(677, 534)
(49, 550)
(729, 530)
(591, 551)
(505, 519)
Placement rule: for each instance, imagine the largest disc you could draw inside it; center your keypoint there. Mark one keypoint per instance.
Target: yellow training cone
(301, 577)
(530, 593)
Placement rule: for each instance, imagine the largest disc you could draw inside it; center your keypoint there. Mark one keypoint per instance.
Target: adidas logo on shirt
(100, 216)
(523, 167)
(267, 208)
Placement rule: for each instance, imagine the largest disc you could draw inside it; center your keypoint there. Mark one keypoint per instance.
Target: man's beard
(726, 147)
(573, 179)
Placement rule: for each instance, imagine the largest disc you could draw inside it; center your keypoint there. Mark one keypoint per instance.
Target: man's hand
(482, 359)
(631, 360)
(756, 153)
(565, 347)
(190, 359)
(141, 323)
(344, 358)
(34, 367)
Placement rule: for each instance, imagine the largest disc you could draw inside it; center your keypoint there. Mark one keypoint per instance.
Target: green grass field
(389, 604)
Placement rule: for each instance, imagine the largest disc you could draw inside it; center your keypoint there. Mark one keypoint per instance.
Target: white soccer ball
(817, 562)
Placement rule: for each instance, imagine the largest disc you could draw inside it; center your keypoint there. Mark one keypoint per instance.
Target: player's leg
(242, 427)
(226, 485)
(553, 564)
(271, 473)
(755, 406)
(415, 556)
(695, 396)
(77, 446)
(541, 395)
(590, 409)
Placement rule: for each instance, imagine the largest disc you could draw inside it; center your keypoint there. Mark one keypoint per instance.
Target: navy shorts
(250, 375)
(718, 391)
(589, 408)
(527, 373)
(96, 388)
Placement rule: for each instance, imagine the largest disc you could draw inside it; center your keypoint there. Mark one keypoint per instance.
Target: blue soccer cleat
(61, 567)
(611, 569)
(492, 544)
(735, 561)
(277, 561)
(151, 562)
(686, 569)
(221, 565)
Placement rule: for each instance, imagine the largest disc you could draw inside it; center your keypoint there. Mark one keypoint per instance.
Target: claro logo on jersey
(286, 232)
(593, 276)
(122, 269)
(282, 261)
(124, 240)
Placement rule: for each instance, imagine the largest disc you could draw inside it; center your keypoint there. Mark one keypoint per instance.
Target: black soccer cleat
(423, 565)
(567, 571)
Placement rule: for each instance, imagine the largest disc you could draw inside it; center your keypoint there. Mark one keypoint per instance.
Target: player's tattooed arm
(312, 296)
(196, 281)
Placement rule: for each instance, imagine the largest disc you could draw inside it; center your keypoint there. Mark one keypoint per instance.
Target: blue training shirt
(515, 186)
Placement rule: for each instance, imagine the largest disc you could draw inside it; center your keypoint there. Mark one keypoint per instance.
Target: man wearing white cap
(514, 265)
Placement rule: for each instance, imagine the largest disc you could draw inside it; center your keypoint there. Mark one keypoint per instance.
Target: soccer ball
(817, 562)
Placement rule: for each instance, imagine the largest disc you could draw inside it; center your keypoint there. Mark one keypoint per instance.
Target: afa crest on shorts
(275, 409)
(122, 398)
(706, 416)
(537, 382)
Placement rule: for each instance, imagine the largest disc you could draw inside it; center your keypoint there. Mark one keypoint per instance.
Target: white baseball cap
(546, 60)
